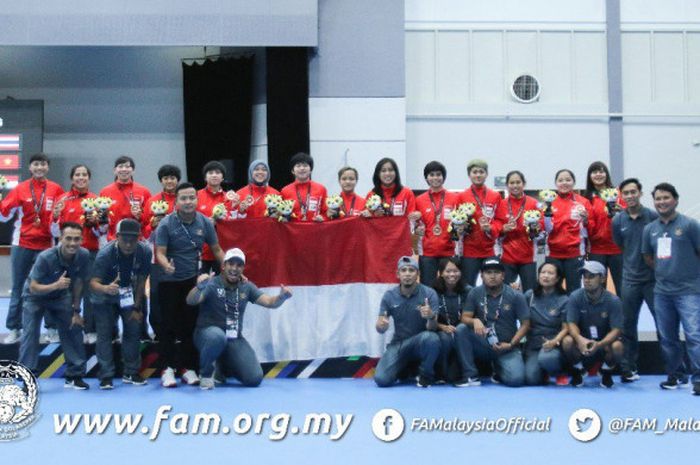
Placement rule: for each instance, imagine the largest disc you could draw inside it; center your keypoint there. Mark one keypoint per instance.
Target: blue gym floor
(642, 399)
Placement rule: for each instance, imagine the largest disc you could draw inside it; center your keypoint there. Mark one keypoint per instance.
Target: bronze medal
(37, 221)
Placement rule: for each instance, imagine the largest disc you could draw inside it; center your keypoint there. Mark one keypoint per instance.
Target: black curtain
(218, 102)
(287, 88)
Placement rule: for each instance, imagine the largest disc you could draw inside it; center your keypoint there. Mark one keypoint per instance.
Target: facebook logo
(387, 425)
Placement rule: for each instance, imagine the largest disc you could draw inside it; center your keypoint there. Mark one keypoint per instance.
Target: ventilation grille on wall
(526, 89)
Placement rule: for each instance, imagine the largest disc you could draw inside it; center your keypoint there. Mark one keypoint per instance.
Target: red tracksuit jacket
(146, 228)
(431, 245)
(123, 195)
(566, 239)
(258, 193)
(601, 236)
(31, 235)
(478, 244)
(311, 194)
(401, 205)
(518, 249)
(73, 211)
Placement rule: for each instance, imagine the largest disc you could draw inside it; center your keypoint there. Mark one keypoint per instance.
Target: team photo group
(526, 289)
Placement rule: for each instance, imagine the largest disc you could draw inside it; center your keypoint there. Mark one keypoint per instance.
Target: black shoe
(576, 378)
(696, 388)
(629, 376)
(606, 379)
(423, 381)
(76, 382)
(136, 380)
(106, 383)
(670, 383)
(468, 382)
(496, 378)
(683, 381)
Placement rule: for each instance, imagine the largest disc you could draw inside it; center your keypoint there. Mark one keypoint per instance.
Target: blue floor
(362, 399)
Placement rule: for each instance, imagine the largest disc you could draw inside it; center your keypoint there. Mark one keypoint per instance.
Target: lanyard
(485, 304)
(444, 305)
(189, 236)
(304, 205)
(252, 194)
(478, 200)
(133, 264)
(520, 210)
(37, 206)
(130, 197)
(352, 206)
(437, 210)
(236, 306)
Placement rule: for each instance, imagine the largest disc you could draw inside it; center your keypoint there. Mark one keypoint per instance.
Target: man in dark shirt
(55, 285)
(118, 284)
(218, 335)
(410, 305)
(594, 317)
(671, 245)
(489, 329)
(180, 238)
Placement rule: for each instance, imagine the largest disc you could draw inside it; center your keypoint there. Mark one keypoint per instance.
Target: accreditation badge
(126, 297)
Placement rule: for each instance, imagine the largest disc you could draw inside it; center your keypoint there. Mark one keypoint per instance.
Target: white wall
(461, 57)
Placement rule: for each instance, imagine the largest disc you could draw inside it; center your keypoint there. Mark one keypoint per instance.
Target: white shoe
(52, 336)
(13, 337)
(167, 378)
(206, 383)
(190, 377)
(90, 338)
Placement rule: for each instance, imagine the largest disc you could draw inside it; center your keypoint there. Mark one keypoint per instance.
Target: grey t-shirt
(110, 261)
(679, 272)
(594, 319)
(404, 310)
(547, 313)
(627, 234)
(223, 303)
(184, 242)
(452, 305)
(50, 265)
(502, 312)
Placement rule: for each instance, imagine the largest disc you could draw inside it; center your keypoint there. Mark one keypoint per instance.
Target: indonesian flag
(338, 272)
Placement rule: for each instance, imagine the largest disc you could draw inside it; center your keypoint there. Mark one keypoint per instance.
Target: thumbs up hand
(170, 269)
(63, 282)
(425, 310)
(113, 287)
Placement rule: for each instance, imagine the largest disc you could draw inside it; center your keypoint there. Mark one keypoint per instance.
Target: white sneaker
(190, 377)
(13, 337)
(206, 383)
(167, 378)
(52, 336)
(90, 338)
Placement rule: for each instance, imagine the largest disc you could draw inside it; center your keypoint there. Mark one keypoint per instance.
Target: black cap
(129, 227)
(492, 263)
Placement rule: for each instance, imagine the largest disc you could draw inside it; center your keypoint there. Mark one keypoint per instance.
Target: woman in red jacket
(567, 228)
(435, 206)
(519, 245)
(398, 200)
(68, 208)
(353, 204)
(252, 196)
(603, 249)
(479, 244)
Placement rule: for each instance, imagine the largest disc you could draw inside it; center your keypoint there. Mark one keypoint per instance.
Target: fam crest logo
(19, 394)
